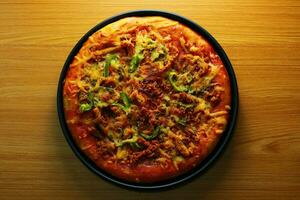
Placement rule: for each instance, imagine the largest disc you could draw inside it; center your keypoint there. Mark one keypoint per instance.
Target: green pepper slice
(178, 88)
(153, 135)
(83, 107)
(126, 102)
(135, 61)
(108, 60)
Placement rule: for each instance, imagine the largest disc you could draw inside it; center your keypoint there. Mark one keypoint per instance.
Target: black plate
(205, 163)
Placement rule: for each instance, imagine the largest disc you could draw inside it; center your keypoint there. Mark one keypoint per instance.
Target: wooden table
(262, 39)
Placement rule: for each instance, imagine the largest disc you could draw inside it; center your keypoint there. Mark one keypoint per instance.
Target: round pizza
(146, 99)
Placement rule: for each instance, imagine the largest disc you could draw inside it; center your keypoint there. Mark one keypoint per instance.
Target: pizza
(146, 99)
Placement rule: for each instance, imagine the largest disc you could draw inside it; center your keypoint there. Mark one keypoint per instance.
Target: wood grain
(262, 39)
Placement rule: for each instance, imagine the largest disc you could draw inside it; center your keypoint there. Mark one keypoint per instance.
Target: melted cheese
(220, 120)
(121, 153)
(218, 113)
(94, 72)
(81, 59)
(202, 105)
(177, 160)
